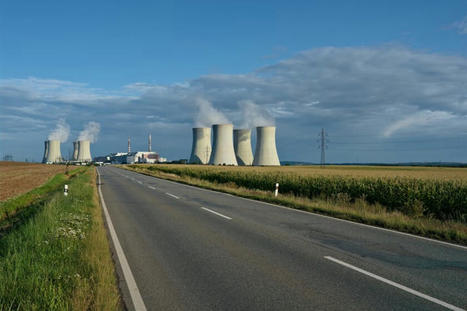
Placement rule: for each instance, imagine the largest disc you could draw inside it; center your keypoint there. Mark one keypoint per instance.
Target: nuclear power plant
(201, 148)
(84, 151)
(46, 151)
(75, 151)
(242, 146)
(233, 147)
(222, 148)
(265, 152)
(53, 151)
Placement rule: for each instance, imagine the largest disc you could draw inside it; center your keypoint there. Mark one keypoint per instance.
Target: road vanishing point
(179, 247)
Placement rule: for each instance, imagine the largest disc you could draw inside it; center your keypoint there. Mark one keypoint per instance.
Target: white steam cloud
(90, 132)
(208, 115)
(61, 132)
(254, 115)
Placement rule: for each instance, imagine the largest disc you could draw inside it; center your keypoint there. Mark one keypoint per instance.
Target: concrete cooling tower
(75, 151)
(201, 148)
(266, 153)
(46, 151)
(53, 154)
(242, 146)
(84, 151)
(222, 148)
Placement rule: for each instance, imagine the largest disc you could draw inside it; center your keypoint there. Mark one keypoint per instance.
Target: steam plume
(61, 131)
(254, 115)
(208, 115)
(90, 132)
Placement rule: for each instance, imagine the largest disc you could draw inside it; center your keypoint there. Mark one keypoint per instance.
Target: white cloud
(386, 91)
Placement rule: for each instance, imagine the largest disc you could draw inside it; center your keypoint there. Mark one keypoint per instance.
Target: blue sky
(387, 79)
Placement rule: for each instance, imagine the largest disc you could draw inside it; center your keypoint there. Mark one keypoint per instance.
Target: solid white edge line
(310, 213)
(172, 195)
(400, 286)
(136, 298)
(218, 214)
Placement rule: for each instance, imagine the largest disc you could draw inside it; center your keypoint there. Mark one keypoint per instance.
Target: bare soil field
(19, 177)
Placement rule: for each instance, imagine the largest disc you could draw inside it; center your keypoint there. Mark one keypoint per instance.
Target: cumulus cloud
(384, 91)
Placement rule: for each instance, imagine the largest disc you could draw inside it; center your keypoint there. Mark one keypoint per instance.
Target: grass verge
(339, 207)
(59, 259)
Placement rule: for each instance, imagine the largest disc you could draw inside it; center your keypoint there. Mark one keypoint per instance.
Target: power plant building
(265, 152)
(54, 154)
(223, 149)
(84, 151)
(242, 146)
(201, 148)
(75, 151)
(46, 151)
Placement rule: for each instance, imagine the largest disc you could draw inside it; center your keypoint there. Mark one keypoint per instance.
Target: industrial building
(223, 149)
(201, 148)
(233, 147)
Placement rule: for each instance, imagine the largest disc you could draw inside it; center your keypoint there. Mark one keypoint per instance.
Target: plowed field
(19, 177)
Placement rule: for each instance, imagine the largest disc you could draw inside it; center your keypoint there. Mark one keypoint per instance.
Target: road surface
(194, 249)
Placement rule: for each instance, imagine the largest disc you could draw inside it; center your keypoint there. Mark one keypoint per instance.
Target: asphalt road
(195, 249)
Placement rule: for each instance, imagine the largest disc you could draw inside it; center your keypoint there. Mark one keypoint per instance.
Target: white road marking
(400, 286)
(136, 298)
(139, 182)
(311, 213)
(218, 214)
(172, 195)
(151, 187)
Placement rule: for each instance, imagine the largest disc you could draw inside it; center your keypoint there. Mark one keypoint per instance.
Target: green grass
(49, 262)
(339, 204)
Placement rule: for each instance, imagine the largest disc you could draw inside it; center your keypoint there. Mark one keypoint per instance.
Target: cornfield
(440, 199)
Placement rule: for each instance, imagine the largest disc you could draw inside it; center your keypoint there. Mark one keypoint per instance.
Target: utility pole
(323, 146)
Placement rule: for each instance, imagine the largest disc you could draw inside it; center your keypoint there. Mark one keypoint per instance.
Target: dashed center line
(139, 182)
(400, 286)
(172, 195)
(151, 187)
(218, 214)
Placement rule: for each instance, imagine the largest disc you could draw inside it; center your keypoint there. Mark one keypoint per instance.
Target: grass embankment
(59, 258)
(431, 208)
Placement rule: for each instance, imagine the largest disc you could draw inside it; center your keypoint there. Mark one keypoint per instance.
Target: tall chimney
(149, 142)
(223, 151)
(242, 146)
(201, 147)
(266, 153)
(129, 145)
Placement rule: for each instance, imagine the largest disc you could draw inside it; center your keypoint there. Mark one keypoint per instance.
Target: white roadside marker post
(65, 190)
(277, 189)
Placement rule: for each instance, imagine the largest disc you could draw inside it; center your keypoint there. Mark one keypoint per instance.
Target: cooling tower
(266, 153)
(75, 151)
(222, 147)
(53, 154)
(242, 147)
(84, 151)
(46, 151)
(201, 149)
